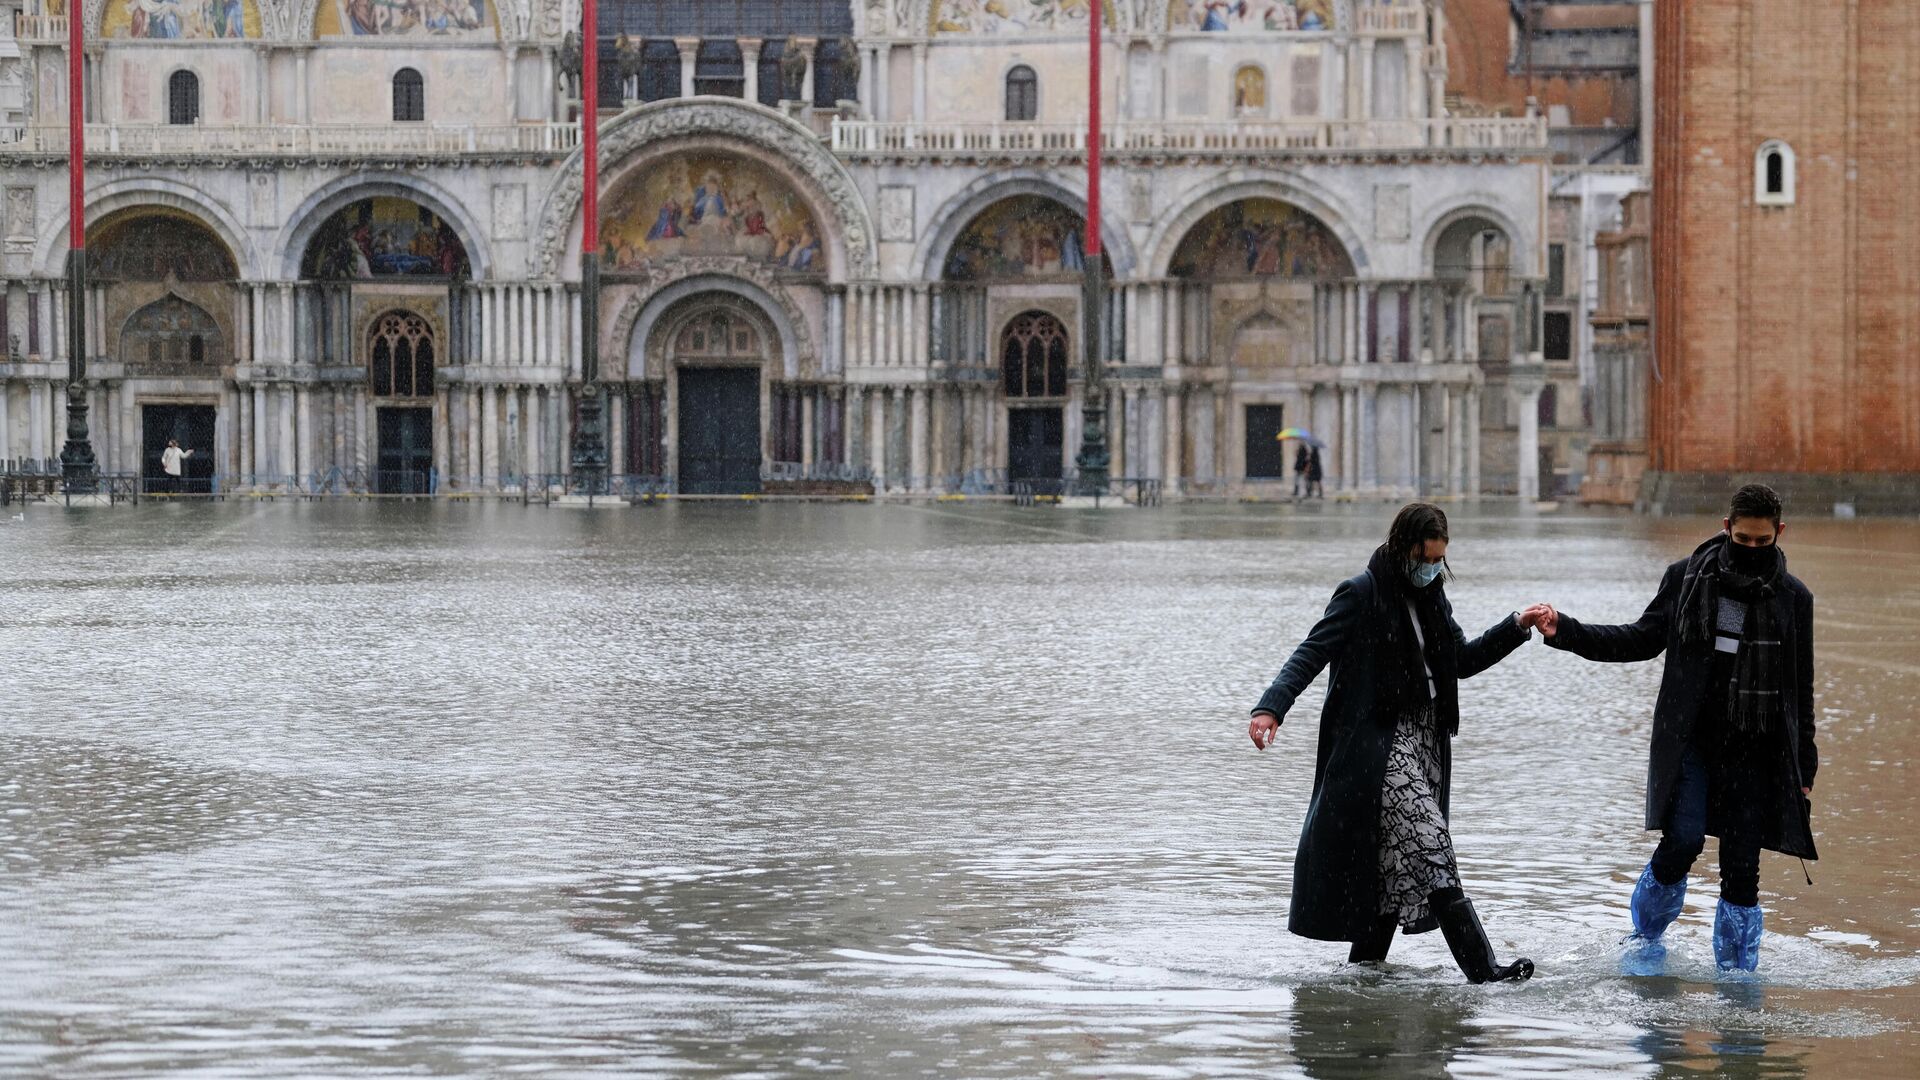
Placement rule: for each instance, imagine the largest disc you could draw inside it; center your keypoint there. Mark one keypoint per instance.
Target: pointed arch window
(400, 356)
(1033, 356)
(409, 96)
(183, 98)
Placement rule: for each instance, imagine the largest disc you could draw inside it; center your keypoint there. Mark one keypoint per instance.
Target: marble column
(1175, 444)
(750, 63)
(1472, 427)
(1370, 436)
(917, 439)
(1525, 389)
(536, 449)
(689, 53)
(489, 436)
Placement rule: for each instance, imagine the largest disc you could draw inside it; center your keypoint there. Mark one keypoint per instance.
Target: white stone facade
(874, 356)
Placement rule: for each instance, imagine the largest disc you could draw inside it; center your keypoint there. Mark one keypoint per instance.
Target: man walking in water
(1733, 753)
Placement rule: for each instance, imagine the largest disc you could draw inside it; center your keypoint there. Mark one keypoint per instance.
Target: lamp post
(81, 471)
(589, 451)
(1093, 458)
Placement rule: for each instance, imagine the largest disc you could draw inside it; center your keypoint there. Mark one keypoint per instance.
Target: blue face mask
(1424, 573)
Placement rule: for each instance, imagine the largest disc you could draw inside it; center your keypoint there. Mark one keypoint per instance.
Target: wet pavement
(769, 790)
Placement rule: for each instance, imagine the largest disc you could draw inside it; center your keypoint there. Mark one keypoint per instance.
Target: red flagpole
(1093, 130)
(1093, 459)
(81, 470)
(76, 130)
(590, 124)
(589, 457)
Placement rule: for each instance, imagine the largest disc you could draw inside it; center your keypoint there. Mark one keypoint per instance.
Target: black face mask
(1751, 561)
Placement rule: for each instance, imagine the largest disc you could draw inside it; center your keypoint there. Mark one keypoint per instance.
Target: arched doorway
(1033, 375)
(716, 355)
(400, 363)
(169, 288)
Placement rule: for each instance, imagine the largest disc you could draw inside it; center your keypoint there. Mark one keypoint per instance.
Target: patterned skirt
(1416, 850)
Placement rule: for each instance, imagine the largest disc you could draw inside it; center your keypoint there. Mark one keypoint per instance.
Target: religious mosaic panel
(384, 237)
(1261, 238)
(1228, 16)
(404, 18)
(157, 247)
(1025, 236)
(192, 20)
(1014, 16)
(709, 204)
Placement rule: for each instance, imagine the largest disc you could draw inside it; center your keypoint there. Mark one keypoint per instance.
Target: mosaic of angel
(1231, 15)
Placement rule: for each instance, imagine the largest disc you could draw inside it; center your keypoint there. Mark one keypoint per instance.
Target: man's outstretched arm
(1642, 639)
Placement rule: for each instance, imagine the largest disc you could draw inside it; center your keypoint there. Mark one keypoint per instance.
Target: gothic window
(1023, 93)
(400, 356)
(1773, 169)
(183, 98)
(1033, 356)
(171, 335)
(409, 95)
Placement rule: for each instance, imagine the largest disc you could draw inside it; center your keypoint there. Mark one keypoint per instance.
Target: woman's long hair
(1413, 526)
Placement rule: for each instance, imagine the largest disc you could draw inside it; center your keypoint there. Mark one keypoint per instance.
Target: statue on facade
(628, 58)
(793, 69)
(846, 65)
(569, 63)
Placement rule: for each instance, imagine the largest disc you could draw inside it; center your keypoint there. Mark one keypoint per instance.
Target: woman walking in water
(1375, 852)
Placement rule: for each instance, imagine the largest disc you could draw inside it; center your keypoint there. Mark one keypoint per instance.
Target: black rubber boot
(1471, 949)
(1372, 947)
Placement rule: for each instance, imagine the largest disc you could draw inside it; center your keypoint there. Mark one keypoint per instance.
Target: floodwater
(767, 790)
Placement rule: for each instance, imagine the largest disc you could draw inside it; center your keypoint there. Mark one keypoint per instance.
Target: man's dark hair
(1413, 526)
(1755, 501)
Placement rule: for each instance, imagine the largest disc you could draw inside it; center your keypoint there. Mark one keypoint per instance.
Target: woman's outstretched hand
(1261, 729)
(1542, 616)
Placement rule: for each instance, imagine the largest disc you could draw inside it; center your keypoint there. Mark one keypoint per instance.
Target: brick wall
(1787, 338)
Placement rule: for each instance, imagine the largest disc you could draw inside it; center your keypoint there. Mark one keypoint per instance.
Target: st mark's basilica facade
(335, 243)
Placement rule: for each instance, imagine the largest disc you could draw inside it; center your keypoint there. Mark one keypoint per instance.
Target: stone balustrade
(301, 141)
(1180, 137)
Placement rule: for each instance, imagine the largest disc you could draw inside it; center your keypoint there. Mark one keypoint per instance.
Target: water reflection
(892, 791)
(1353, 1032)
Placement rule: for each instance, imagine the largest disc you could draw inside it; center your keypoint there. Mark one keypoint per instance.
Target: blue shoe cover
(1655, 906)
(1736, 937)
(1644, 958)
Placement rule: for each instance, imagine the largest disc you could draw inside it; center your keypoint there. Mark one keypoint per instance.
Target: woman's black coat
(1684, 689)
(1336, 874)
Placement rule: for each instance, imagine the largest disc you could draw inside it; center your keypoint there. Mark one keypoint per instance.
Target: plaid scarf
(1762, 669)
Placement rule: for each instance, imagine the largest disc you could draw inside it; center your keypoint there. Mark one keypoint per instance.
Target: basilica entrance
(192, 427)
(719, 430)
(1036, 443)
(406, 451)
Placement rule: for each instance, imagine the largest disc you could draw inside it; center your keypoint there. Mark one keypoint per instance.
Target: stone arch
(655, 130)
(952, 219)
(700, 304)
(633, 328)
(119, 195)
(1437, 223)
(1239, 184)
(322, 204)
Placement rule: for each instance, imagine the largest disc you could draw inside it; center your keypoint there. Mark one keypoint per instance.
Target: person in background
(1315, 474)
(1376, 854)
(1301, 459)
(1733, 754)
(170, 461)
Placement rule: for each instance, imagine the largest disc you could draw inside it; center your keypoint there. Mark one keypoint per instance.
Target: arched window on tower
(400, 356)
(1773, 169)
(183, 98)
(409, 95)
(1023, 93)
(1033, 356)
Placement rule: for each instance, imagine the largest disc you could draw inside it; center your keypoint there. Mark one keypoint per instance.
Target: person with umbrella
(1376, 854)
(1306, 461)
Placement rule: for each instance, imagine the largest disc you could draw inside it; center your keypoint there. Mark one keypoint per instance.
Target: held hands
(1261, 729)
(1542, 616)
